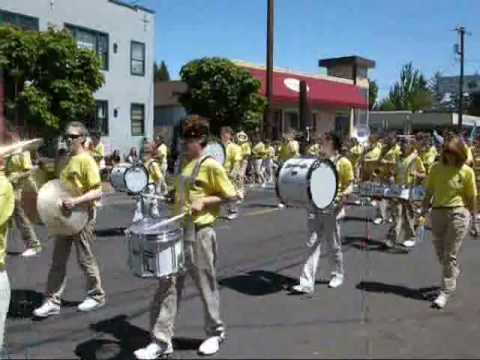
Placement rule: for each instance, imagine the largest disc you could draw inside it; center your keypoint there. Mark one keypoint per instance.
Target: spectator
(132, 157)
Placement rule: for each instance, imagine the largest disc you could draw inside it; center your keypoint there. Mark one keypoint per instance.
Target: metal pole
(461, 31)
(270, 44)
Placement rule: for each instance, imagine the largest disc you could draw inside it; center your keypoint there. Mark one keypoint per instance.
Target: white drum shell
(117, 177)
(152, 256)
(294, 183)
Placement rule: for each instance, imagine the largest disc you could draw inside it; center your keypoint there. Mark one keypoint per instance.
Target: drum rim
(131, 168)
(315, 166)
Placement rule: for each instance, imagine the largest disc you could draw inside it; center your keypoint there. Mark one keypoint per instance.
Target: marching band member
(258, 152)
(325, 226)
(408, 169)
(200, 190)
(355, 154)
(7, 205)
(371, 157)
(81, 175)
(18, 169)
(290, 148)
(97, 149)
(242, 140)
(155, 177)
(313, 148)
(268, 162)
(162, 158)
(428, 153)
(233, 165)
(451, 192)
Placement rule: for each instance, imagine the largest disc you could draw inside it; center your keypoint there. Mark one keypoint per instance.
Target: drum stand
(147, 205)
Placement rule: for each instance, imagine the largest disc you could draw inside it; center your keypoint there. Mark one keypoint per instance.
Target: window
(99, 120)
(292, 120)
(91, 40)
(137, 58)
(137, 115)
(22, 21)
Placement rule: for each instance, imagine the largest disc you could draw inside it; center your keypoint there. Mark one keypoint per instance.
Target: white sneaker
(281, 206)
(409, 243)
(31, 252)
(211, 345)
(153, 351)
(441, 301)
(389, 243)
(90, 304)
(336, 281)
(48, 308)
(232, 216)
(299, 289)
(378, 221)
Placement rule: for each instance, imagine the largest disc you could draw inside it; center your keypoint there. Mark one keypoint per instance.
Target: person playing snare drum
(201, 188)
(325, 226)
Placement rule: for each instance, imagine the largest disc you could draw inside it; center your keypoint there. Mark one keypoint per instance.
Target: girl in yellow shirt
(451, 192)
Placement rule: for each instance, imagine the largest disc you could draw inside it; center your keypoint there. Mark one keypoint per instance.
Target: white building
(123, 36)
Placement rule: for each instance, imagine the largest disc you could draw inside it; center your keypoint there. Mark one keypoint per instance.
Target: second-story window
(137, 61)
(91, 40)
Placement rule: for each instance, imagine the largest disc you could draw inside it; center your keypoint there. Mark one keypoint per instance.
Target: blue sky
(390, 32)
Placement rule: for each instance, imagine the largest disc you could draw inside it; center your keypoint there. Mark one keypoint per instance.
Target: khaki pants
(449, 227)
(243, 175)
(4, 304)
(403, 227)
(200, 258)
(23, 223)
(86, 260)
(323, 228)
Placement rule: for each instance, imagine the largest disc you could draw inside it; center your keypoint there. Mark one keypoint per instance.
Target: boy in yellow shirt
(258, 153)
(82, 177)
(268, 162)
(155, 179)
(233, 166)
(202, 187)
(162, 158)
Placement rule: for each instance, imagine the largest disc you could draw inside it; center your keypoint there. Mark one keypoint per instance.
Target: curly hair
(196, 127)
(455, 146)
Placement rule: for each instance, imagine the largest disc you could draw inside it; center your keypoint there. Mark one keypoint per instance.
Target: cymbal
(52, 214)
(20, 146)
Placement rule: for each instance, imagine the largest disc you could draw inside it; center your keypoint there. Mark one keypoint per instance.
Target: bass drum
(216, 151)
(129, 178)
(307, 183)
(117, 176)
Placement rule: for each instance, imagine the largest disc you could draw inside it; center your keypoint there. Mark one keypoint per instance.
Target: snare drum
(155, 254)
(308, 183)
(131, 178)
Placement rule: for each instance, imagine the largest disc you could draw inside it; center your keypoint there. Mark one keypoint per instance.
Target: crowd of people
(444, 165)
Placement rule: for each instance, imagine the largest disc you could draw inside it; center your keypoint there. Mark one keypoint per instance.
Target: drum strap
(187, 182)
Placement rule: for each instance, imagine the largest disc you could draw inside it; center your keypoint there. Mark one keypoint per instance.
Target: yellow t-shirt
(18, 164)
(162, 154)
(269, 153)
(469, 154)
(294, 148)
(355, 154)
(154, 170)
(313, 150)
(7, 204)
(345, 175)
(406, 166)
(98, 153)
(428, 157)
(212, 180)
(289, 150)
(81, 174)
(258, 150)
(392, 156)
(374, 154)
(451, 186)
(233, 158)
(246, 150)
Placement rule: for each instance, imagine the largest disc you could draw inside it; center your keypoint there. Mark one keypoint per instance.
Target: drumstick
(166, 222)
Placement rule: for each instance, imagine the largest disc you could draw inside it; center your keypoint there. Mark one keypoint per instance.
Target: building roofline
(130, 6)
(346, 60)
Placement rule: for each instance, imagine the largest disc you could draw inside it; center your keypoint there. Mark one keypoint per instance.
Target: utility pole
(270, 36)
(461, 51)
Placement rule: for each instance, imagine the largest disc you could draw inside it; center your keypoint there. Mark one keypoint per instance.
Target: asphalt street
(383, 309)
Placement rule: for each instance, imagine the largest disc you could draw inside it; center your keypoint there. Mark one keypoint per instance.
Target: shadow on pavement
(258, 283)
(128, 338)
(23, 302)
(118, 231)
(363, 244)
(258, 205)
(422, 294)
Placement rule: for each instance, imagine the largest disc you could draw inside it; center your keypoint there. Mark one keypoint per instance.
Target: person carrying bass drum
(325, 226)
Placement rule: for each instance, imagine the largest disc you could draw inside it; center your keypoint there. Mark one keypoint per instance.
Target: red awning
(321, 92)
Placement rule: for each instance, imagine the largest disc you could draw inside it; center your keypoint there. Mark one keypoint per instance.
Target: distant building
(123, 37)
(408, 122)
(447, 87)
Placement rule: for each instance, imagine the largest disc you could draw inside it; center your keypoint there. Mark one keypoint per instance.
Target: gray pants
(4, 304)
(57, 279)
(324, 227)
(449, 228)
(24, 225)
(200, 258)
(403, 227)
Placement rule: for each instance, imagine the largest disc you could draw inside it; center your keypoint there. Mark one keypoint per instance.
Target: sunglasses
(72, 136)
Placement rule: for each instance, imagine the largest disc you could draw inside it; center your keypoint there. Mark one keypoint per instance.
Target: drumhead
(323, 184)
(136, 179)
(216, 151)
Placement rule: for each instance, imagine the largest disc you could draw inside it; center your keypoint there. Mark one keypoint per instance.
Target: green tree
(223, 92)
(411, 92)
(53, 81)
(372, 94)
(161, 72)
